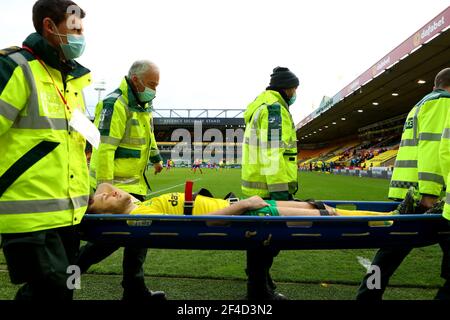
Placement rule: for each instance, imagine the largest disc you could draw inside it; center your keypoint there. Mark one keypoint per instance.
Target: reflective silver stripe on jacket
(446, 133)
(134, 141)
(127, 135)
(127, 138)
(34, 120)
(415, 121)
(409, 143)
(290, 145)
(426, 136)
(40, 123)
(110, 140)
(256, 116)
(254, 139)
(42, 206)
(125, 180)
(80, 202)
(278, 187)
(447, 199)
(403, 184)
(113, 95)
(282, 144)
(282, 186)
(8, 111)
(254, 185)
(103, 181)
(406, 164)
(122, 99)
(431, 177)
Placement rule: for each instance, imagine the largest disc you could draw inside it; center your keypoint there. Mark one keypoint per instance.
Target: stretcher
(247, 232)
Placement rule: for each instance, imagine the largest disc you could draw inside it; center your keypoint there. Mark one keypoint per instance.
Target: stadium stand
(373, 108)
(381, 160)
(307, 156)
(366, 154)
(208, 134)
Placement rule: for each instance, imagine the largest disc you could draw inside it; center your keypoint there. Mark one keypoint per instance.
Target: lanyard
(53, 81)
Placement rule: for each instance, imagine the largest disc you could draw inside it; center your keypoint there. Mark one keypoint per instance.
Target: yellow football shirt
(173, 204)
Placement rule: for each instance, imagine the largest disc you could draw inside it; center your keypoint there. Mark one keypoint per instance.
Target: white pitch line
(178, 185)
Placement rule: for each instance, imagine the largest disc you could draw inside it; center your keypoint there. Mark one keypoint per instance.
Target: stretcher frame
(247, 232)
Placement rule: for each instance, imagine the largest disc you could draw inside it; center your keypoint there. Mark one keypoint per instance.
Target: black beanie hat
(283, 78)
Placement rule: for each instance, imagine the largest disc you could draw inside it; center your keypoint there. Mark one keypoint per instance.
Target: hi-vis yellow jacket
(269, 156)
(417, 162)
(127, 141)
(444, 157)
(44, 178)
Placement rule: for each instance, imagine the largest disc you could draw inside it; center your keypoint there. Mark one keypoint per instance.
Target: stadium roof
(198, 113)
(209, 118)
(391, 87)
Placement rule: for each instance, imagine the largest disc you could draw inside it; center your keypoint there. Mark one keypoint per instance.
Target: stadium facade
(211, 135)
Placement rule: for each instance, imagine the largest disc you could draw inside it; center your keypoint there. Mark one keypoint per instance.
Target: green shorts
(270, 210)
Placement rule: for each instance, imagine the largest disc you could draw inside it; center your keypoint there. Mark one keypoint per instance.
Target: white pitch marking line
(178, 185)
(366, 263)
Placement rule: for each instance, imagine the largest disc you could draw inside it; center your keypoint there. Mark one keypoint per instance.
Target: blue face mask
(147, 95)
(292, 100)
(75, 46)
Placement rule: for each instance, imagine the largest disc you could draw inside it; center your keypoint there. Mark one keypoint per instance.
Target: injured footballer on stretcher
(111, 200)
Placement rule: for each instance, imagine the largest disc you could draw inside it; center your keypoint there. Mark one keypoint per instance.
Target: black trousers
(40, 261)
(259, 262)
(132, 263)
(389, 259)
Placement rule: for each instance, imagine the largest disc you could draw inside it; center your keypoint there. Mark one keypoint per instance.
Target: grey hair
(140, 67)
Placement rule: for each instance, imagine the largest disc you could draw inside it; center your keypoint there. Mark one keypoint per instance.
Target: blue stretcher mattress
(245, 232)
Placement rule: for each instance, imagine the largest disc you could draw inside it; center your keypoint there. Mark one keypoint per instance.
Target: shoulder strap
(230, 195)
(188, 198)
(204, 192)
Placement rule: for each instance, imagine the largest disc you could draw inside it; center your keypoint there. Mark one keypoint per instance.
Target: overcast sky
(220, 54)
